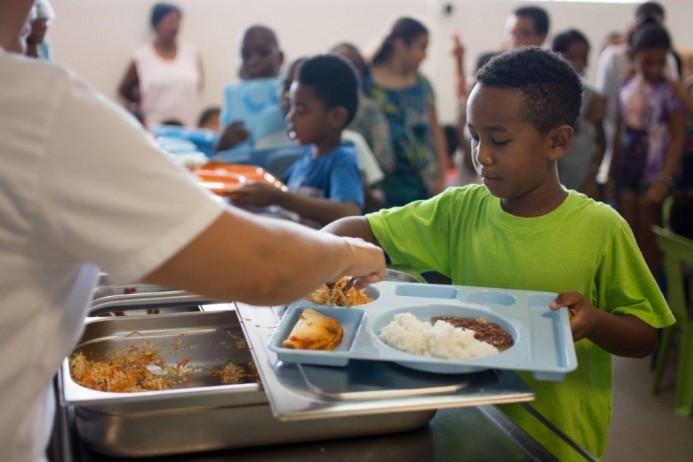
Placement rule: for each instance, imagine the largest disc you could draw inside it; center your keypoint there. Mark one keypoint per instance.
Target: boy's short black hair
(562, 41)
(334, 80)
(551, 87)
(649, 10)
(484, 58)
(539, 16)
(261, 28)
(649, 36)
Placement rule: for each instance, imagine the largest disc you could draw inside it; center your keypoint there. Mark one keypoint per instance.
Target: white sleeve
(109, 195)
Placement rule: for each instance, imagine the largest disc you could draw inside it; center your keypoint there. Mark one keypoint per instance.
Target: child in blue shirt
(522, 230)
(325, 182)
(255, 96)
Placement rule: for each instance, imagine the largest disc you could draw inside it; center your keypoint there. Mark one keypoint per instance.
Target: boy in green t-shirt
(522, 230)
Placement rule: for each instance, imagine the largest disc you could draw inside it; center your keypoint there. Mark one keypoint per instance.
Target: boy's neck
(327, 144)
(536, 203)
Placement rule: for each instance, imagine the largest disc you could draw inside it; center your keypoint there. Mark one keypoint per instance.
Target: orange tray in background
(223, 179)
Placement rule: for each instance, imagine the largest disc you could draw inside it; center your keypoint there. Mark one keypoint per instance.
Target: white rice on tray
(442, 340)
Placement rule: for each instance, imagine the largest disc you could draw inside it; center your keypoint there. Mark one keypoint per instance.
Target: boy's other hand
(256, 195)
(584, 317)
(233, 134)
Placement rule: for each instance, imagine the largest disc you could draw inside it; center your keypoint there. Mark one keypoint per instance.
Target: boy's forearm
(624, 335)
(353, 227)
(317, 209)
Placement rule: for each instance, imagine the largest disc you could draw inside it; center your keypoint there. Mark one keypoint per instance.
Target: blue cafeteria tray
(543, 343)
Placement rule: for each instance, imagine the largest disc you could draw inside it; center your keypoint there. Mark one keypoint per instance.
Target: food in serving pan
(314, 331)
(437, 338)
(341, 293)
(129, 371)
(142, 368)
(233, 374)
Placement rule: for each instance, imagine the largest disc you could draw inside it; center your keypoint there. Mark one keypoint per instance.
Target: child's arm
(352, 227)
(621, 335)
(676, 124)
(129, 88)
(231, 135)
(317, 209)
(460, 78)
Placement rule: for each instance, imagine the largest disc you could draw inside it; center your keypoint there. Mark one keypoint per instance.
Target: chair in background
(677, 254)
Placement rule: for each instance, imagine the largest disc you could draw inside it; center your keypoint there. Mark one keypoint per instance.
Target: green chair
(676, 251)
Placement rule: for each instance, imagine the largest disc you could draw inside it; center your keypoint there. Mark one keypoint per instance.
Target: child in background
(522, 230)
(649, 141)
(579, 167)
(261, 61)
(371, 173)
(407, 100)
(325, 183)
(369, 121)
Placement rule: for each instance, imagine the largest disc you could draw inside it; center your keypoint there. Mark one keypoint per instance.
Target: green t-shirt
(582, 246)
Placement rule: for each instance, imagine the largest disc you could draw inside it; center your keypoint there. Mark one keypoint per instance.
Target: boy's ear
(281, 58)
(337, 117)
(559, 140)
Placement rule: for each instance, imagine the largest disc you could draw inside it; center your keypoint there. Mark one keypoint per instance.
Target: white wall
(96, 37)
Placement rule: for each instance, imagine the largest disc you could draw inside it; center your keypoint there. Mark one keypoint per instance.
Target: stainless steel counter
(464, 434)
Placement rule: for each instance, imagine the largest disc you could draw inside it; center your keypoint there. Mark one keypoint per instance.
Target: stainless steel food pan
(201, 414)
(146, 303)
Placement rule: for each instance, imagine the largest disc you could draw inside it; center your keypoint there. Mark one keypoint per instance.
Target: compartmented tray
(542, 338)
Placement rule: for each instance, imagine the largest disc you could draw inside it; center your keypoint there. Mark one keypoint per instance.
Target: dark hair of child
(649, 10)
(681, 213)
(649, 36)
(551, 87)
(562, 41)
(484, 58)
(208, 114)
(334, 81)
(264, 29)
(160, 10)
(406, 29)
(539, 16)
(290, 73)
(353, 54)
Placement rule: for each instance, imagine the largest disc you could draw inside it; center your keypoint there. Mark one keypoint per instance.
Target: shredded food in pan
(232, 373)
(338, 296)
(129, 371)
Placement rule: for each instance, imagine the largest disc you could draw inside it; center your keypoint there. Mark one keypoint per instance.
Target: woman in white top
(164, 80)
(71, 204)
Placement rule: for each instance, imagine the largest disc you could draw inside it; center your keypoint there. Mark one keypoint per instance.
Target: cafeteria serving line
(375, 362)
(371, 408)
